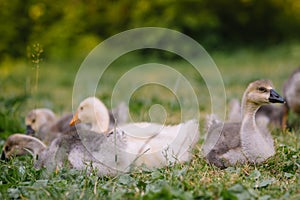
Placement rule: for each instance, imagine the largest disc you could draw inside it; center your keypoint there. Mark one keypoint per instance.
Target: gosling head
(20, 144)
(92, 111)
(261, 92)
(38, 118)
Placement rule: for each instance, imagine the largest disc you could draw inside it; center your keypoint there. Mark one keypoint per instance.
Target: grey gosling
(103, 153)
(232, 143)
(291, 92)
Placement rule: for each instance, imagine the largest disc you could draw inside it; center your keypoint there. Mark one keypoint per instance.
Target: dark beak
(29, 130)
(275, 97)
(3, 157)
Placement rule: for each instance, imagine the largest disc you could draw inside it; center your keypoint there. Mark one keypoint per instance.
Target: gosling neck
(249, 110)
(101, 121)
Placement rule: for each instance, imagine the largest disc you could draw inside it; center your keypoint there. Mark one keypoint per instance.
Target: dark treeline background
(69, 28)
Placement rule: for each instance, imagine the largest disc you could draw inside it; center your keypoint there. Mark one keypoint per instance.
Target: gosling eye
(262, 89)
(33, 121)
(7, 148)
(81, 108)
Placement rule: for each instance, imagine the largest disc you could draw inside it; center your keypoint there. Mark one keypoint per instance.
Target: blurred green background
(68, 29)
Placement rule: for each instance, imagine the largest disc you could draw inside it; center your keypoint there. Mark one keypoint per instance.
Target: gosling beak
(75, 120)
(275, 97)
(29, 130)
(3, 157)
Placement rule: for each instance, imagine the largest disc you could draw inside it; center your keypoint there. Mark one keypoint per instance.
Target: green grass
(277, 178)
